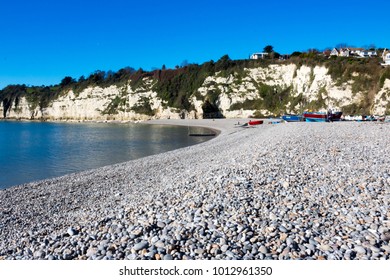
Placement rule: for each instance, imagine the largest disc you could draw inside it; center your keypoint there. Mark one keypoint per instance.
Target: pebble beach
(312, 191)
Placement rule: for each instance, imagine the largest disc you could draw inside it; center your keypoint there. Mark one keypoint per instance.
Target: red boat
(252, 123)
(256, 122)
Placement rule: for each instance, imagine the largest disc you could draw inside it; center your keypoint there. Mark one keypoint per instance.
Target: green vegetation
(319, 102)
(385, 75)
(143, 107)
(271, 98)
(38, 97)
(248, 104)
(117, 104)
(10, 95)
(365, 73)
(354, 109)
(295, 101)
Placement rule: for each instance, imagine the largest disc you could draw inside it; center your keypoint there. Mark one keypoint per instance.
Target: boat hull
(292, 118)
(256, 122)
(315, 120)
(315, 117)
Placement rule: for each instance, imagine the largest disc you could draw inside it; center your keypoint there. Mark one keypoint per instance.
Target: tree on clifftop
(271, 52)
(223, 63)
(67, 81)
(268, 49)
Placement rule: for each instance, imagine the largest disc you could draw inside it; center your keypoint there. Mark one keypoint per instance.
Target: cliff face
(96, 103)
(271, 90)
(311, 84)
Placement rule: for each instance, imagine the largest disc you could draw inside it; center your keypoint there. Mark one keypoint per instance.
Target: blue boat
(292, 118)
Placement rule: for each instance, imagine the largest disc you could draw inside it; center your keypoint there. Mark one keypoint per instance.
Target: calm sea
(31, 151)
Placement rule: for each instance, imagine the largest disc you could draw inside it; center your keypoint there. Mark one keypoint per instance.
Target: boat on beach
(292, 118)
(329, 116)
(255, 122)
(252, 123)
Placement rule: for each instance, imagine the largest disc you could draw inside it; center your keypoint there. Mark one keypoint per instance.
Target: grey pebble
(263, 250)
(360, 250)
(140, 245)
(168, 257)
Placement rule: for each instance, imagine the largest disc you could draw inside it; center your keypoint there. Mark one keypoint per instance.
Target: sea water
(31, 151)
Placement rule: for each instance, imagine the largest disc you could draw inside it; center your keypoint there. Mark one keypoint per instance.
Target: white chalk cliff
(94, 103)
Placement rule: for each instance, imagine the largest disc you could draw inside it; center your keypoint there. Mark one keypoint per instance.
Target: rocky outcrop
(234, 92)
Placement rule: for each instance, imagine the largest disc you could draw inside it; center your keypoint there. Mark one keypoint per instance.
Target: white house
(260, 55)
(355, 51)
(366, 53)
(334, 52)
(344, 52)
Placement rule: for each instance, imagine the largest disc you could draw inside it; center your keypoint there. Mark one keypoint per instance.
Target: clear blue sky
(43, 41)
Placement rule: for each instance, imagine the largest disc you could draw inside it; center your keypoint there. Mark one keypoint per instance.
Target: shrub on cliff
(38, 97)
(10, 95)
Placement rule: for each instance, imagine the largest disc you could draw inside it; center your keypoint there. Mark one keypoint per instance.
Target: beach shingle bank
(282, 191)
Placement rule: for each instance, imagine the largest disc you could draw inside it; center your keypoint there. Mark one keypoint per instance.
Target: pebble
(159, 244)
(385, 236)
(91, 252)
(140, 245)
(224, 248)
(39, 254)
(168, 257)
(360, 250)
(71, 231)
(160, 224)
(199, 251)
(263, 250)
(325, 247)
(282, 229)
(67, 254)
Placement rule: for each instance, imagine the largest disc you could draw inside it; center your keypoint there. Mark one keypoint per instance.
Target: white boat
(386, 58)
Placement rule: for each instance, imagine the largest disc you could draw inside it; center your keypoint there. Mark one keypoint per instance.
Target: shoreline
(214, 124)
(284, 191)
(219, 126)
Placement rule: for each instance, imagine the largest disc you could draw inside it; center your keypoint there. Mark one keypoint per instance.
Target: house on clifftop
(354, 52)
(260, 55)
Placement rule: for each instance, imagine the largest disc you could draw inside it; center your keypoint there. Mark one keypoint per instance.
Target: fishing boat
(335, 116)
(292, 118)
(315, 116)
(329, 116)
